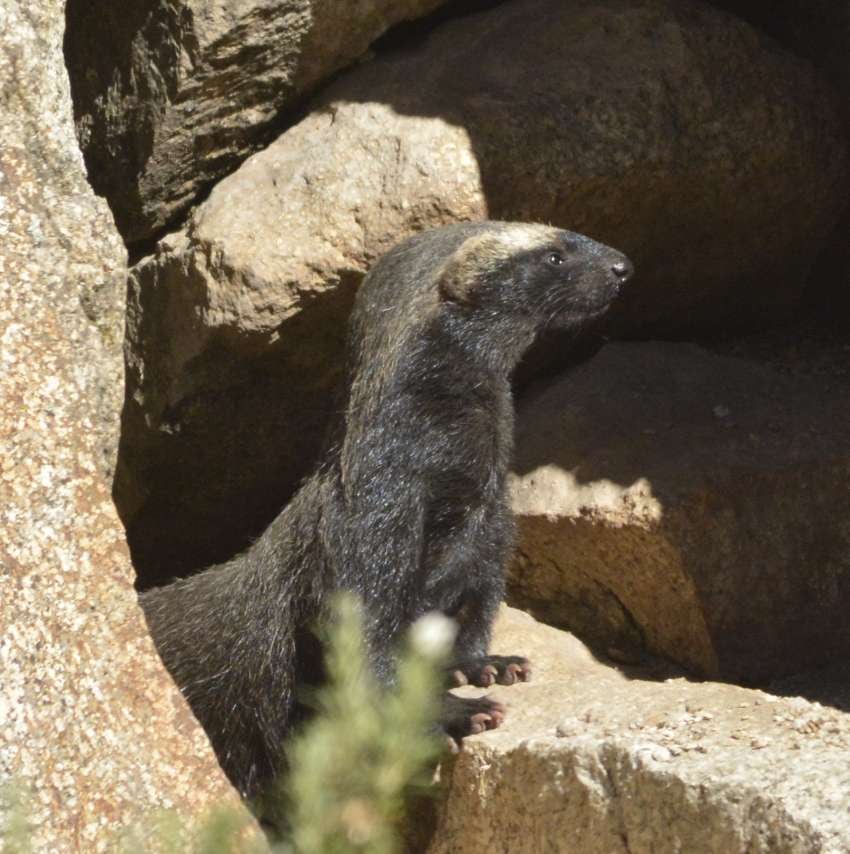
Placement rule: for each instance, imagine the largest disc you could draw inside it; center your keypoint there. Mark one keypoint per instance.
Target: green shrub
(352, 768)
(367, 749)
(15, 831)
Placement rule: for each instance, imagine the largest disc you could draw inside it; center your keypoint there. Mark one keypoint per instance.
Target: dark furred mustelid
(408, 507)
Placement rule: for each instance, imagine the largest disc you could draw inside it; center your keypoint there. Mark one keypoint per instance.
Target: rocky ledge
(597, 759)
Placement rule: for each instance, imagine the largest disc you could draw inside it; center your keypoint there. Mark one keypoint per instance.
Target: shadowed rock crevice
(100, 68)
(817, 31)
(572, 598)
(233, 436)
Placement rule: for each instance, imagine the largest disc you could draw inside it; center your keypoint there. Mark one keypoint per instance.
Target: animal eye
(555, 259)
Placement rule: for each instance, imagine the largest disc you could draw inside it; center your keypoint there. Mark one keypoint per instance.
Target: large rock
(91, 727)
(818, 30)
(589, 762)
(611, 117)
(170, 96)
(692, 504)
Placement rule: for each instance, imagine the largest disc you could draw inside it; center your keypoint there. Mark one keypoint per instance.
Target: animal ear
(466, 267)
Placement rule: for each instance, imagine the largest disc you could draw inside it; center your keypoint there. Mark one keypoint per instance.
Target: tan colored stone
(90, 724)
(691, 504)
(171, 96)
(610, 117)
(591, 762)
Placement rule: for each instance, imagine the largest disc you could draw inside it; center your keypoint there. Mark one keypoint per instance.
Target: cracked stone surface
(92, 730)
(590, 760)
(171, 96)
(691, 504)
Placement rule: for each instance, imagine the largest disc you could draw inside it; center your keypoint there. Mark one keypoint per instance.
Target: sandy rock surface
(609, 117)
(169, 97)
(590, 760)
(689, 503)
(92, 731)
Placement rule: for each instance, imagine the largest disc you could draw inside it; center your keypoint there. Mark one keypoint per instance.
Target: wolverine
(407, 508)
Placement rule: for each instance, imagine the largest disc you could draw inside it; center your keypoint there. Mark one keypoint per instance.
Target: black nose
(622, 269)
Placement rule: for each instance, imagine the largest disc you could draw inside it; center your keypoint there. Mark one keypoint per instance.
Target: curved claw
(489, 670)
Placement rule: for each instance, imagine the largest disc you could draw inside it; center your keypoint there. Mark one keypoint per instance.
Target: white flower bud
(433, 635)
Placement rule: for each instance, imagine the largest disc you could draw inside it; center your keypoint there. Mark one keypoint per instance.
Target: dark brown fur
(408, 507)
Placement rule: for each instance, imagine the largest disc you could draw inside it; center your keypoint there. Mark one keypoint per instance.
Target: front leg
(459, 716)
(471, 664)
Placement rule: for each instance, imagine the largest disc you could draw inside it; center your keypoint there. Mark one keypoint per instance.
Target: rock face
(170, 96)
(609, 117)
(589, 761)
(818, 31)
(691, 504)
(91, 727)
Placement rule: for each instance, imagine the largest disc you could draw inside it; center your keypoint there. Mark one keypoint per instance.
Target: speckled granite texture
(89, 721)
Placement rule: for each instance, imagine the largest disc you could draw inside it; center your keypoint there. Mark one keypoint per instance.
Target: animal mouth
(577, 316)
(604, 300)
(596, 311)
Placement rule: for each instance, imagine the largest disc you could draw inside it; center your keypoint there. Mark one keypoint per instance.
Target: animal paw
(464, 716)
(491, 670)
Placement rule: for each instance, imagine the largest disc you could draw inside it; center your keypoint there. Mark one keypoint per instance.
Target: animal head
(547, 276)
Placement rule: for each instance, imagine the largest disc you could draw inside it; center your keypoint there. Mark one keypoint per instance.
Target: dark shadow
(409, 34)
(244, 438)
(829, 686)
(109, 51)
(817, 31)
(96, 64)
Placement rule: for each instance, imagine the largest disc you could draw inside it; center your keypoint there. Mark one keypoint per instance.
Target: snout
(621, 271)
